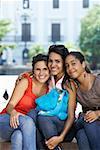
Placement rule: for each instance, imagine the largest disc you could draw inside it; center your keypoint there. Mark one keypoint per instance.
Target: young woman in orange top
(14, 117)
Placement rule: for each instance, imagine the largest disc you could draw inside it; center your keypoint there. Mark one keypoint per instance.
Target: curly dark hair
(39, 57)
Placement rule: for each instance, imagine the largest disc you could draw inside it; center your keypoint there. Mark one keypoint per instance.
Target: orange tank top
(27, 102)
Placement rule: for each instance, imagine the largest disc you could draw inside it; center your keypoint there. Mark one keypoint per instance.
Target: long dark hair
(81, 58)
(59, 49)
(78, 55)
(63, 52)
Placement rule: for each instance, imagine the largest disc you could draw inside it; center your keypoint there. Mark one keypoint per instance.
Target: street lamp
(25, 4)
(25, 36)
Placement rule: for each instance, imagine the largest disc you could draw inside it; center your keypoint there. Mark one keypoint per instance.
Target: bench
(69, 146)
(5, 146)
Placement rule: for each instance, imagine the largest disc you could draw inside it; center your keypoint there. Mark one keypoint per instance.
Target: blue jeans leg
(50, 126)
(39, 137)
(28, 129)
(47, 126)
(81, 137)
(16, 140)
(33, 114)
(26, 126)
(93, 133)
(5, 129)
(82, 140)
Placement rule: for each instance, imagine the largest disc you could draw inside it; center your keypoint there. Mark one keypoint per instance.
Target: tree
(4, 28)
(72, 47)
(35, 49)
(89, 40)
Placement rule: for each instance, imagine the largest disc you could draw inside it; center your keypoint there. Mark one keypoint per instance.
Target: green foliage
(89, 40)
(3, 47)
(72, 47)
(4, 27)
(35, 49)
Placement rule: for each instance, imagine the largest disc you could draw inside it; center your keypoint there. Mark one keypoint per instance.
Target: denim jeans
(16, 137)
(88, 134)
(40, 142)
(27, 132)
(53, 126)
(17, 140)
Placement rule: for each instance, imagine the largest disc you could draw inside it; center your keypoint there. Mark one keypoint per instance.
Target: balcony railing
(16, 39)
(62, 38)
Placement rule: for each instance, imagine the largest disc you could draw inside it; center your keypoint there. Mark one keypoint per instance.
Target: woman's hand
(53, 142)
(21, 76)
(14, 118)
(91, 116)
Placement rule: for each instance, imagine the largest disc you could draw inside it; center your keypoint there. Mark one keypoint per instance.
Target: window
(26, 32)
(25, 4)
(55, 3)
(85, 3)
(55, 32)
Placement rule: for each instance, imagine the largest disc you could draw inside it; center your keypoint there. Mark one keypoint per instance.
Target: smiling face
(74, 67)
(55, 64)
(41, 71)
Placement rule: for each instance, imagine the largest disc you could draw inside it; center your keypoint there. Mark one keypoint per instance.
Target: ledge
(69, 146)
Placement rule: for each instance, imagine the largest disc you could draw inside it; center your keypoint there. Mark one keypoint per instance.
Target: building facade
(43, 22)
